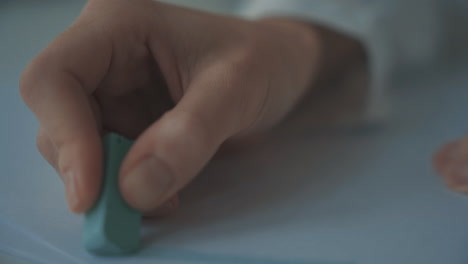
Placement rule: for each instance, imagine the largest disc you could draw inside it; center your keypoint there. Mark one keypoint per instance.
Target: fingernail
(70, 188)
(146, 185)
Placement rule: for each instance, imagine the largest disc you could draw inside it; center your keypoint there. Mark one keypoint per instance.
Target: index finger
(57, 86)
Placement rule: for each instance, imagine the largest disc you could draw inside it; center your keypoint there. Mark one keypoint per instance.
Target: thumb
(175, 148)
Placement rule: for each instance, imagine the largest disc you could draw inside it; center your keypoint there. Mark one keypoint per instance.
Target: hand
(182, 82)
(451, 162)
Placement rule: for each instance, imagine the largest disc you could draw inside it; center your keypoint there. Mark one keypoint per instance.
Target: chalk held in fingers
(112, 227)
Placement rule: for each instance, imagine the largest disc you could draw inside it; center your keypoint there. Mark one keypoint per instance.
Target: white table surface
(363, 195)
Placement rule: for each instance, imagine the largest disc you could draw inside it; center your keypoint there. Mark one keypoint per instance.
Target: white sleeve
(399, 36)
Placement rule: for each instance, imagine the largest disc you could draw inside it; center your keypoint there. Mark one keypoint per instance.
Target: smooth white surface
(363, 194)
(24, 247)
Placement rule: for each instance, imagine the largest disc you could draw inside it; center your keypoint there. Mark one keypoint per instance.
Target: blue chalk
(112, 227)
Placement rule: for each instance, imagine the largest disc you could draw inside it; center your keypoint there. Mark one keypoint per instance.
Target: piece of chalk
(112, 227)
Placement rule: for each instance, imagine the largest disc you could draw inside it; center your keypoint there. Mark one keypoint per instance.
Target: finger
(445, 155)
(56, 86)
(173, 150)
(451, 162)
(46, 148)
(165, 209)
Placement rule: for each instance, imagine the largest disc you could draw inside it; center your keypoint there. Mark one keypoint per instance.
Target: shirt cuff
(359, 95)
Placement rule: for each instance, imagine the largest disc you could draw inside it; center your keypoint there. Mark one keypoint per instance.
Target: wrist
(323, 52)
(303, 46)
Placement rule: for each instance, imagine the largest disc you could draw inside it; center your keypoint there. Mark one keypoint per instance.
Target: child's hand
(123, 63)
(451, 162)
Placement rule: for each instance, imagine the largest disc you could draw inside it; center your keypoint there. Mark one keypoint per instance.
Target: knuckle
(244, 59)
(253, 91)
(187, 128)
(183, 136)
(197, 127)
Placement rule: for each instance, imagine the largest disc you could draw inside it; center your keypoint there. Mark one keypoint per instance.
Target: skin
(183, 83)
(451, 162)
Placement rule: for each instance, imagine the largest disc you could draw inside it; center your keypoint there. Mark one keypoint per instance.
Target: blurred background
(368, 195)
